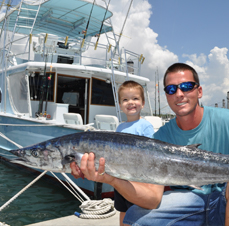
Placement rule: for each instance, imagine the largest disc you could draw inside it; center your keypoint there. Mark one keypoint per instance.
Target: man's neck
(190, 121)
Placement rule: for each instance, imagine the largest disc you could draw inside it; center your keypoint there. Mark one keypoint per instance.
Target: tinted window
(102, 93)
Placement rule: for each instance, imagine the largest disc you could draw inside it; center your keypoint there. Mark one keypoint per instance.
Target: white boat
(50, 85)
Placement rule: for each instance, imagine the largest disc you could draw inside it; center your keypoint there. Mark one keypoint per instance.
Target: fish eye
(34, 153)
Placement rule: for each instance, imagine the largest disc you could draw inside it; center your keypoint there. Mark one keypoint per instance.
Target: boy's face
(131, 103)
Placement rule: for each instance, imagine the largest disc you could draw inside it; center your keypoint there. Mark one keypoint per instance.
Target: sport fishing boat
(58, 76)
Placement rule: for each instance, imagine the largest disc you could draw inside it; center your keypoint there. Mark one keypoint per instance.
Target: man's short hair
(182, 67)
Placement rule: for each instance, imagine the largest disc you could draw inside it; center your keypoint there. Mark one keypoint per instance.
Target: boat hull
(25, 133)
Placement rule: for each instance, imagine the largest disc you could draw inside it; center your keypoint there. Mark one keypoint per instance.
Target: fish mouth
(16, 152)
(22, 161)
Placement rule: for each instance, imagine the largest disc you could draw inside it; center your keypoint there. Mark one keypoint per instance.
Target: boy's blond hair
(131, 84)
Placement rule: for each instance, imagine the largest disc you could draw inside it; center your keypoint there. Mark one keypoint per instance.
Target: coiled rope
(96, 209)
(92, 209)
(4, 224)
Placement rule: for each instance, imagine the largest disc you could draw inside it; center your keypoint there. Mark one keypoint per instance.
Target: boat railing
(36, 47)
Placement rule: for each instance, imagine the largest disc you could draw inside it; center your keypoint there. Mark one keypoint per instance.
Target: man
(193, 124)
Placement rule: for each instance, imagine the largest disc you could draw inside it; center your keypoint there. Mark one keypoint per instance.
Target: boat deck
(74, 220)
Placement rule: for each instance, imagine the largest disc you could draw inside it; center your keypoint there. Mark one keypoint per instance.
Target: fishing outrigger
(51, 84)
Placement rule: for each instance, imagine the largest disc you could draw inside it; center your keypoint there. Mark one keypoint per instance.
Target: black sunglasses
(184, 87)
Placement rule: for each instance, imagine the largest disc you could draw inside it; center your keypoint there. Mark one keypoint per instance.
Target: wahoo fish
(130, 157)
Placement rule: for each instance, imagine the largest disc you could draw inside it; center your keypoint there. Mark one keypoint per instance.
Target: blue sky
(168, 31)
(190, 27)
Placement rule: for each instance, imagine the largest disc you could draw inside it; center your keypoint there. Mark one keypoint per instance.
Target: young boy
(131, 101)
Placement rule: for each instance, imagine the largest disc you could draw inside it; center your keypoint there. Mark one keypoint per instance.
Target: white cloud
(144, 41)
(138, 37)
(198, 60)
(212, 68)
(218, 71)
(213, 74)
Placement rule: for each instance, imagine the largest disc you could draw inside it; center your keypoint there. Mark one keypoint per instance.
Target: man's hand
(76, 172)
(87, 169)
(146, 195)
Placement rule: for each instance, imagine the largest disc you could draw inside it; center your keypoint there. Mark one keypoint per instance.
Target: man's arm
(142, 194)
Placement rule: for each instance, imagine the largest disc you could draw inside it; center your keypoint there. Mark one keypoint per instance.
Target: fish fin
(193, 145)
(68, 159)
(73, 157)
(195, 187)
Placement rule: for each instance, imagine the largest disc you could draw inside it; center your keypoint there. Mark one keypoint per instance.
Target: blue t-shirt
(212, 133)
(140, 127)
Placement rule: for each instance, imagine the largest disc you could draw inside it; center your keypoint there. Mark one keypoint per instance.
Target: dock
(74, 220)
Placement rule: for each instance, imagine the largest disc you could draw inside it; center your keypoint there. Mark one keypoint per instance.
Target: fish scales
(130, 157)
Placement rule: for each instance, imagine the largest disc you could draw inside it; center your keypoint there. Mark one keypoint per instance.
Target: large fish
(130, 157)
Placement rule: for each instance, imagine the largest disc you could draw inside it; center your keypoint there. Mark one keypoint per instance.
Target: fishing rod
(34, 85)
(40, 107)
(85, 32)
(31, 88)
(102, 26)
(48, 88)
(44, 81)
(117, 43)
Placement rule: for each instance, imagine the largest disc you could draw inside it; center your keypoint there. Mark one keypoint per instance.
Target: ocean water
(44, 200)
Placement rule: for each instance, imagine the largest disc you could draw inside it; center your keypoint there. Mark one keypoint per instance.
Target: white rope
(76, 187)
(92, 209)
(79, 197)
(74, 193)
(5, 137)
(20, 192)
(4, 224)
(97, 209)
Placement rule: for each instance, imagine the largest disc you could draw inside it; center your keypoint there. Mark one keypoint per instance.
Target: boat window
(102, 93)
(65, 60)
(71, 90)
(38, 85)
(71, 98)
(18, 90)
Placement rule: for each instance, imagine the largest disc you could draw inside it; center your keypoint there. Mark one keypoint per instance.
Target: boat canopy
(62, 18)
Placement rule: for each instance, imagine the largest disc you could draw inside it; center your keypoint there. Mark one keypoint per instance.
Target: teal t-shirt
(212, 133)
(140, 127)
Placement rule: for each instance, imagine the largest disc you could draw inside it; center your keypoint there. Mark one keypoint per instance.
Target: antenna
(158, 93)
(117, 44)
(155, 93)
